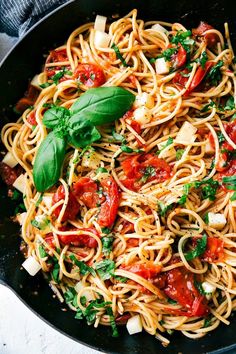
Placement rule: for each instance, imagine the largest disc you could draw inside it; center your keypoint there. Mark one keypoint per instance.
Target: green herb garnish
(198, 250)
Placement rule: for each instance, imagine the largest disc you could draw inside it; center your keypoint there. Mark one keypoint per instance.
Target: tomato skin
(72, 207)
(145, 270)
(214, 250)
(180, 58)
(8, 174)
(134, 168)
(86, 190)
(91, 75)
(136, 126)
(123, 319)
(203, 27)
(31, 119)
(109, 208)
(179, 79)
(198, 77)
(55, 56)
(79, 240)
(222, 163)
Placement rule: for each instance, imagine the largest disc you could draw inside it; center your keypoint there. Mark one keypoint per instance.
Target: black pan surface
(21, 64)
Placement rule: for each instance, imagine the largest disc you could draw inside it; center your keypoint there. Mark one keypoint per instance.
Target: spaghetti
(139, 227)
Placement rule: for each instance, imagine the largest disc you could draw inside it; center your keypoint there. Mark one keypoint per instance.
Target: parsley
(198, 250)
(169, 142)
(46, 84)
(118, 54)
(105, 269)
(207, 322)
(203, 59)
(230, 182)
(107, 242)
(186, 189)
(118, 137)
(106, 230)
(84, 269)
(42, 252)
(149, 171)
(115, 332)
(230, 105)
(164, 208)
(221, 137)
(55, 272)
(182, 38)
(214, 75)
(129, 150)
(179, 154)
(233, 197)
(206, 108)
(167, 54)
(209, 188)
(200, 288)
(101, 170)
(70, 294)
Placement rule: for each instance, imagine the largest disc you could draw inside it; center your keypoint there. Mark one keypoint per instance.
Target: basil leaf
(179, 154)
(198, 250)
(230, 182)
(229, 106)
(42, 252)
(233, 197)
(115, 332)
(84, 269)
(105, 268)
(54, 116)
(203, 59)
(107, 242)
(82, 132)
(48, 162)
(118, 137)
(129, 150)
(70, 294)
(214, 75)
(163, 209)
(103, 105)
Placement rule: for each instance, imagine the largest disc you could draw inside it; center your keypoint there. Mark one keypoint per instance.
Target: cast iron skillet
(21, 64)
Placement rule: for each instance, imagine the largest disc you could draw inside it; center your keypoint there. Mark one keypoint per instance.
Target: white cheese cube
(186, 134)
(20, 183)
(10, 160)
(90, 159)
(144, 100)
(142, 115)
(159, 28)
(162, 66)
(134, 324)
(31, 266)
(209, 150)
(35, 82)
(100, 23)
(47, 201)
(101, 39)
(217, 221)
(208, 288)
(21, 218)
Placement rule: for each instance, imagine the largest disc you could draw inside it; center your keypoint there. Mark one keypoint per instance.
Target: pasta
(139, 225)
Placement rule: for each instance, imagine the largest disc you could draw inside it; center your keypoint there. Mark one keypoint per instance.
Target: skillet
(19, 66)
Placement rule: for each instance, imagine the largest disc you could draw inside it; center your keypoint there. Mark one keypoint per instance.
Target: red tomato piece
(28, 100)
(87, 191)
(31, 119)
(56, 56)
(91, 75)
(198, 77)
(72, 207)
(222, 163)
(214, 250)
(109, 208)
(50, 240)
(8, 174)
(123, 319)
(180, 58)
(127, 228)
(180, 78)
(79, 240)
(145, 270)
(136, 126)
(211, 38)
(179, 286)
(230, 129)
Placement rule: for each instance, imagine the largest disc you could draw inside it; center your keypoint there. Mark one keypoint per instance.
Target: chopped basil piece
(179, 154)
(115, 332)
(39, 200)
(105, 269)
(106, 230)
(203, 59)
(163, 209)
(149, 171)
(129, 150)
(101, 170)
(107, 242)
(230, 105)
(214, 75)
(84, 269)
(70, 294)
(233, 197)
(206, 108)
(118, 137)
(230, 182)
(42, 252)
(55, 272)
(46, 84)
(169, 142)
(118, 54)
(198, 250)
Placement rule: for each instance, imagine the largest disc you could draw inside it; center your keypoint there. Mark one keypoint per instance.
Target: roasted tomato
(145, 270)
(83, 240)
(144, 168)
(55, 56)
(90, 75)
(180, 58)
(211, 38)
(105, 194)
(8, 174)
(214, 250)
(31, 119)
(72, 207)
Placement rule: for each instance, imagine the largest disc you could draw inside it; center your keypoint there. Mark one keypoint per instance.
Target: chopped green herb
(16, 195)
(206, 218)
(179, 154)
(230, 182)
(208, 188)
(200, 288)
(118, 54)
(206, 108)
(107, 242)
(182, 38)
(120, 279)
(20, 208)
(118, 137)
(168, 53)
(148, 172)
(79, 314)
(198, 250)
(42, 252)
(214, 75)
(70, 294)
(173, 302)
(207, 322)
(106, 230)
(230, 105)
(203, 59)
(115, 332)
(129, 150)
(84, 269)
(105, 269)
(186, 189)
(233, 197)
(55, 272)
(169, 142)
(221, 137)
(101, 170)
(163, 209)
(39, 200)
(46, 84)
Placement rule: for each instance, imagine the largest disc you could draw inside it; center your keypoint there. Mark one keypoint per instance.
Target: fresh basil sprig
(77, 127)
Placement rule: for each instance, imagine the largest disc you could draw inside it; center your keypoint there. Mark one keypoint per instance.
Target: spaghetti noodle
(141, 224)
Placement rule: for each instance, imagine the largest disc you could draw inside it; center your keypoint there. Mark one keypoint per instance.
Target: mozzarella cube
(159, 28)
(10, 160)
(31, 266)
(162, 66)
(100, 23)
(144, 100)
(20, 183)
(101, 39)
(35, 82)
(186, 134)
(47, 201)
(209, 150)
(134, 324)
(21, 218)
(208, 288)
(90, 159)
(217, 221)
(142, 115)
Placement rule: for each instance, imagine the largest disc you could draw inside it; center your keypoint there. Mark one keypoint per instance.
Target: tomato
(145, 270)
(91, 75)
(179, 59)
(8, 174)
(50, 240)
(214, 250)
(56, 56)
(180, 78)
(230, 129)
(198, 77)
(222, 163)
(123, 319)
(132, 242)
(179, 286)
(211, 38)
(136, 166)
(87, 191)
(107, 197)
(127, 227)
(136, 126)
(28, 100)
(72, 207)
(79, 240)
(31, 119)
(109, 208)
